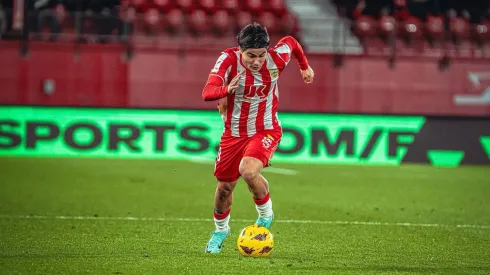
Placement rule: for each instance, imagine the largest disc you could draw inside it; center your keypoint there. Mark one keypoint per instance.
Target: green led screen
(175, 134)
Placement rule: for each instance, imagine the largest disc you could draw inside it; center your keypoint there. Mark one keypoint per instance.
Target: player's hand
(308, 75)
(234, 83)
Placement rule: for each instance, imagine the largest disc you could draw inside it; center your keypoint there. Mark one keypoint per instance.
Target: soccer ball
(255, 241)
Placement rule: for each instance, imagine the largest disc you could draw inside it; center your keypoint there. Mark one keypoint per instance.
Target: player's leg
(257, 155)
(250, 169)
(223, 199)
(227, 174)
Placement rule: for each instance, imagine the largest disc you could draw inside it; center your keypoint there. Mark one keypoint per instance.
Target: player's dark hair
(253, 36)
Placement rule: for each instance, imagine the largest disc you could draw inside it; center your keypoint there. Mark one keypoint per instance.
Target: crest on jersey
(274, 73)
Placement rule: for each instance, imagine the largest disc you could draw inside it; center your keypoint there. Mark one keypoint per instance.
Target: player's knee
(248, 172)
(250, 168)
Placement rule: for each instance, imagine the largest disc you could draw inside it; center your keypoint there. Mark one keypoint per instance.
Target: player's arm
(216, 87)
(288, 47)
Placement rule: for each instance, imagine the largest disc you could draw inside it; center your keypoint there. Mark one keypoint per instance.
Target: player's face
(253, 59)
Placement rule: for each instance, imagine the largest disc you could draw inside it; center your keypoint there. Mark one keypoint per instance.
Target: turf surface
(96, 197)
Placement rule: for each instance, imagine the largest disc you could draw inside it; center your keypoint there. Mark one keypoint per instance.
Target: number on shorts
(218, 158)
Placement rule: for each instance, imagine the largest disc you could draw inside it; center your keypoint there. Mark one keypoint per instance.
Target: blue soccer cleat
(216, 242)
(265, 222)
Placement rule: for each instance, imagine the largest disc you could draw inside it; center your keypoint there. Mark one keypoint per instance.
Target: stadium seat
(253, 6)
(152, 20)
(210, 6)
(221, 22)
(289, 25)
(387, 25)
(243, 18)
(412, 29)
(185, 5)
(127, 13)
(366, 26)
(140, 5)
(481, 32)
(163, 5)
(174, 19)
(212, 18)
(232, 6)
(278, 7)
(268, 20)
(459, 28)
(198, 22)
(435, 27)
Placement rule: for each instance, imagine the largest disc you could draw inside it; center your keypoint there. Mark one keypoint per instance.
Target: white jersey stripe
(217, 65)
(276, 93)
(271, 65)
(268, 109)
(237, 108)
(284, 49)
(227, 74)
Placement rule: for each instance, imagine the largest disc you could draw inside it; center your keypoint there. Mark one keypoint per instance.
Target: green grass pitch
(403, 220)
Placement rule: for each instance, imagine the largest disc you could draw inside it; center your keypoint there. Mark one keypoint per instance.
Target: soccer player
(244, 81)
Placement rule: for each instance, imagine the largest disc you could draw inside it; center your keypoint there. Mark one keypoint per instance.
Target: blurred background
(429, 57)
(107, 148)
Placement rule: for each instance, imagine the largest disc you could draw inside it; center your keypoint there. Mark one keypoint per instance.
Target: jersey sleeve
(288, 47)
(216, 86)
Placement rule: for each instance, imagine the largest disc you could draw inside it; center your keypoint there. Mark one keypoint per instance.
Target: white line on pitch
(273, 170)
(403, 224)
(280, 171)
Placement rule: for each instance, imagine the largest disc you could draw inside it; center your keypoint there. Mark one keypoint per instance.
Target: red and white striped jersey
(253, 107)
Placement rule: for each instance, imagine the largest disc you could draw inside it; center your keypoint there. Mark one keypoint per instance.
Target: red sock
(221, 216)
(262, 200)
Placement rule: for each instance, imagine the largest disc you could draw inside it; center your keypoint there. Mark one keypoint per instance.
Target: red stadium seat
(268, 20)
(163, 5)
(127, 14)
(152, 20)
(221, 22)
(412, 28)
(186, 5)
(243, 18)
(481, 32)
(434, 29)
(210, 6)
(212, 18)
(459, 28)
(288, 24)
(278, 7)
(174, 19)
(140, 5)
(254, 6)
(231, 6)
(365, 26)
(387, 25)
(435, 26)
(198, 22)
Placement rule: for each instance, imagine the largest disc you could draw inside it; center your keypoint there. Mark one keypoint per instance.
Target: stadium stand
(153, 20)
(122, 51)
(421, 24)
(373, 27)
